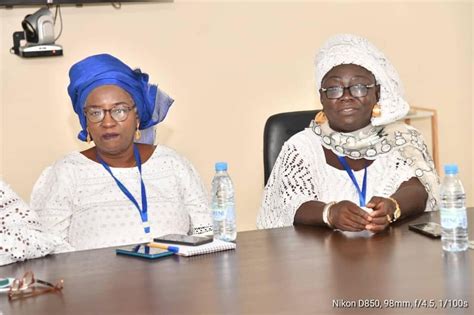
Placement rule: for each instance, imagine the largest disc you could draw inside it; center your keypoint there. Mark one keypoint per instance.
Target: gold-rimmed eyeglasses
(28, 286)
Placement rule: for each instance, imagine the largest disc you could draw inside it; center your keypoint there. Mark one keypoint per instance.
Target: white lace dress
(21, 235)
(301, 174)
(79, 201)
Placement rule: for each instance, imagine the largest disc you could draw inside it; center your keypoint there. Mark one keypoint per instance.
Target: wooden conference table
(294, 270)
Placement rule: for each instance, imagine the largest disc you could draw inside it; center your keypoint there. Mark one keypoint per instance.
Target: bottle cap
(221, 166)
(450, 169)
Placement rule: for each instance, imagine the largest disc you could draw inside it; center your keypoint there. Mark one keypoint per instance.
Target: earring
(88, 138)
(376, 111)
(320, 118)
(138, 134)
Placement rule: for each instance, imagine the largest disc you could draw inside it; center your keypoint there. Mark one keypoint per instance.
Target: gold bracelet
(396, 213)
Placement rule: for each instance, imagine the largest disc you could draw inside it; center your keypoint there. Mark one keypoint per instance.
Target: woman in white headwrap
(356, 167)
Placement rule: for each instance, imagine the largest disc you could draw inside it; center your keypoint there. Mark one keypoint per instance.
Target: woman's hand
(382, 207)
(347, 216)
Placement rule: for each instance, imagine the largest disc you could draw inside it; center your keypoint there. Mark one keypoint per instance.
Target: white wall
(229, 66)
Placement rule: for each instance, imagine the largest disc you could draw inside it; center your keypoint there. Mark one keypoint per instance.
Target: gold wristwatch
(396, 213)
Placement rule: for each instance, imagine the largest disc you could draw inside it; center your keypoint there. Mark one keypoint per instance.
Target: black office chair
(279, 128)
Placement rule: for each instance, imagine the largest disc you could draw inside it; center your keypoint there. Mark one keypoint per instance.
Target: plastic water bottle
(453, 211)
(223, 206)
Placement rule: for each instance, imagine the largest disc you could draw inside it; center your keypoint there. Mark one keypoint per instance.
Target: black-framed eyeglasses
(357, 90)
(118, 113)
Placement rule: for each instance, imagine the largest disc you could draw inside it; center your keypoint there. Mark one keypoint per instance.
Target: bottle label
(218, 214)
(230, 213)
(452, 218)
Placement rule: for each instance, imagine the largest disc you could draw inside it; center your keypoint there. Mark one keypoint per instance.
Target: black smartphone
(181, 239)
(431, 229)
(143, 251)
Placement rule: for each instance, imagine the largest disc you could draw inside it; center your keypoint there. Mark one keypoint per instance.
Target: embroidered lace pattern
(21, 235)
(301, 174)
(79, 201)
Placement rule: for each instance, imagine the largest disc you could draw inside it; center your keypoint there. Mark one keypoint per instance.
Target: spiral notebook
(214, 246)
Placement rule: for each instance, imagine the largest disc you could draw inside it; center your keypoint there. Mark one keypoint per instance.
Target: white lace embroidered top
(78, 200)
(21, 235)
(301, 174)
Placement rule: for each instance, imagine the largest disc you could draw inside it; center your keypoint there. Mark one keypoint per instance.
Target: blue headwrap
(94, 71)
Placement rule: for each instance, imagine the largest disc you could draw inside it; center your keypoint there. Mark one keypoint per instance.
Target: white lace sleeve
(195, 198)
(52, 199)
(291, 183)
(21, 234)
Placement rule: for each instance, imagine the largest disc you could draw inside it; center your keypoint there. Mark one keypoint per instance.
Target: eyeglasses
(27, 287)
(118, 113)
(358, 90)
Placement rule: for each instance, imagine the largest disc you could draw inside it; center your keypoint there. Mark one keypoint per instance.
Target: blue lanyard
(144, 210)
(362, 193)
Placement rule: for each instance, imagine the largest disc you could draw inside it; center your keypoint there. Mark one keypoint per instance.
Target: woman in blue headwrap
(124, 189)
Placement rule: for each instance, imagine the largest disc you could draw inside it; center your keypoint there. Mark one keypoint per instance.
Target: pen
(174, 249)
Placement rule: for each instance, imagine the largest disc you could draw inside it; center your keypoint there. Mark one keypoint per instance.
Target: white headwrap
(352, 49)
